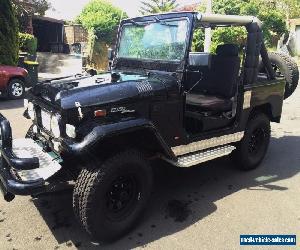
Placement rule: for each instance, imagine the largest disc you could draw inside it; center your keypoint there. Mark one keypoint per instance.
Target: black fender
(102, 132)
(268, 98)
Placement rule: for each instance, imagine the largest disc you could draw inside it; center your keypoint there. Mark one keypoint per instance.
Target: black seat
(215, 93)
(209, 102)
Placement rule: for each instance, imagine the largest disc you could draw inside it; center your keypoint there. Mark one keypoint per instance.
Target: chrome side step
(24, 148)
(207, 144)
(196, 158)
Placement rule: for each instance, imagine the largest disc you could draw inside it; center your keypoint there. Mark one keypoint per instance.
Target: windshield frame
(130, 22)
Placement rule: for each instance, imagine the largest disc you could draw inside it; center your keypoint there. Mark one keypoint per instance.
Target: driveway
(204, 207)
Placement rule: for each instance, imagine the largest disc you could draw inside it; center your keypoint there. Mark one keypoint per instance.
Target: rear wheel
(252, 149)
(109, 198)
(16, 89)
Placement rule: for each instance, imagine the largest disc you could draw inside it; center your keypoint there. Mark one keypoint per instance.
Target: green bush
(27, 43)
(102, 17)
(228, 35)
(9, 45)
(274, 26)
(220, 35)
(198, 40)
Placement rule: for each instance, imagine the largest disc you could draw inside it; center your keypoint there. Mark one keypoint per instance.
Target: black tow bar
(6, 195)
(5, 130)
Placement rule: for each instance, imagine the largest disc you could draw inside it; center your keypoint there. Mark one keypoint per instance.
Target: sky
(69, 9)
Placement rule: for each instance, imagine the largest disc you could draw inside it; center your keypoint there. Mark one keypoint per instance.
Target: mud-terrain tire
(252, 149)
(109, 197)
(16, 89)
(284, 65)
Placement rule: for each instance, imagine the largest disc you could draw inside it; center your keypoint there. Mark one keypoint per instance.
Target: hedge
(9, 45)
(27, 43)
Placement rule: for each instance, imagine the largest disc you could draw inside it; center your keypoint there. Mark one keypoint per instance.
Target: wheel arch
(104, 140)
(17, 77)
(143, 139)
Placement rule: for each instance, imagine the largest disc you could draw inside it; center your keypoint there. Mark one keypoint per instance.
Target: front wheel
(252, 149)
(109, 198)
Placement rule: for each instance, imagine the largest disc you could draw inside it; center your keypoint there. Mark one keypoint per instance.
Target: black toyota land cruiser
(161, 101)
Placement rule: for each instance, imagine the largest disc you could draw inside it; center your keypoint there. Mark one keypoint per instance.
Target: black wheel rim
(277, 70)
(279, 74)
(122, 196)
(257, 141)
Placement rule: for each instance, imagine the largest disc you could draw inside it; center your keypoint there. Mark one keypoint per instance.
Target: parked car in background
(13, 81)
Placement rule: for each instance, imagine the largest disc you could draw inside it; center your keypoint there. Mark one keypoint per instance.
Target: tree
(102, 17)
(268, 11)
(9, 45)
(289, 8)
(292, 8)
(227, 7)
(32, 7)
(25, 9)
(158, 6)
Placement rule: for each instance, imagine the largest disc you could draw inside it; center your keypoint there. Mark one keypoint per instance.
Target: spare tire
(284, 66)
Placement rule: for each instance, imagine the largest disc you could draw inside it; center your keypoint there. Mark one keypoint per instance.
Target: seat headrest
(228, 50)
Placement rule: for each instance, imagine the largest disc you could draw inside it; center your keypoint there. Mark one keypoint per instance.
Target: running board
(196, 158)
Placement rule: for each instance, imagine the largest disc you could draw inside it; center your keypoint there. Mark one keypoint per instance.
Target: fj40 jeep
(160, 100)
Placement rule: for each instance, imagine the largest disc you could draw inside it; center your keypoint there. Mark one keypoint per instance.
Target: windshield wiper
(164, 22)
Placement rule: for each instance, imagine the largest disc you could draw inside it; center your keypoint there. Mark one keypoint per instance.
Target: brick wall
(75, 34)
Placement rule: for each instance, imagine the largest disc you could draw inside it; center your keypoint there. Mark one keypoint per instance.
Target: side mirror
(110, 54)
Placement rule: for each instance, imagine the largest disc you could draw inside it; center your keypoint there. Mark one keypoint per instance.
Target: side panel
(268, 92)
(3, 79)
(167, 118)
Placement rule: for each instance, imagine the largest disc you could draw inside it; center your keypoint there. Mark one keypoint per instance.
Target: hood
(106, 88)
(13, 70)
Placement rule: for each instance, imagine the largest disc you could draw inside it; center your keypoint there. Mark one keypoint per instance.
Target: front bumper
(12, 184)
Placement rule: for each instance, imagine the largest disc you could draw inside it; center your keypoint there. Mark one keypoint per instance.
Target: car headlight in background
(30, 110)
(70, 131)
(55, 129)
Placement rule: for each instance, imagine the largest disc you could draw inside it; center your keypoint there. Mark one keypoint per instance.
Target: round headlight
(30, 110)
(55, 126)
(25, 103)
(70, 131)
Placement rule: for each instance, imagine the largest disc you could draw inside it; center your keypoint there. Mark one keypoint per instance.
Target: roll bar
(227, 19)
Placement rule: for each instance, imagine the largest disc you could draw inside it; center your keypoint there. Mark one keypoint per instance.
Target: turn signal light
(100, 113)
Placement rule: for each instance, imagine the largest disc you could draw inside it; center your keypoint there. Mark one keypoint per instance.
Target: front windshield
(161, 40)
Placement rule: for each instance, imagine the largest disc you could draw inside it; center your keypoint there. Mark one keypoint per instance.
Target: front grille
(38, 116)
(38, 112)
(46, 120)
